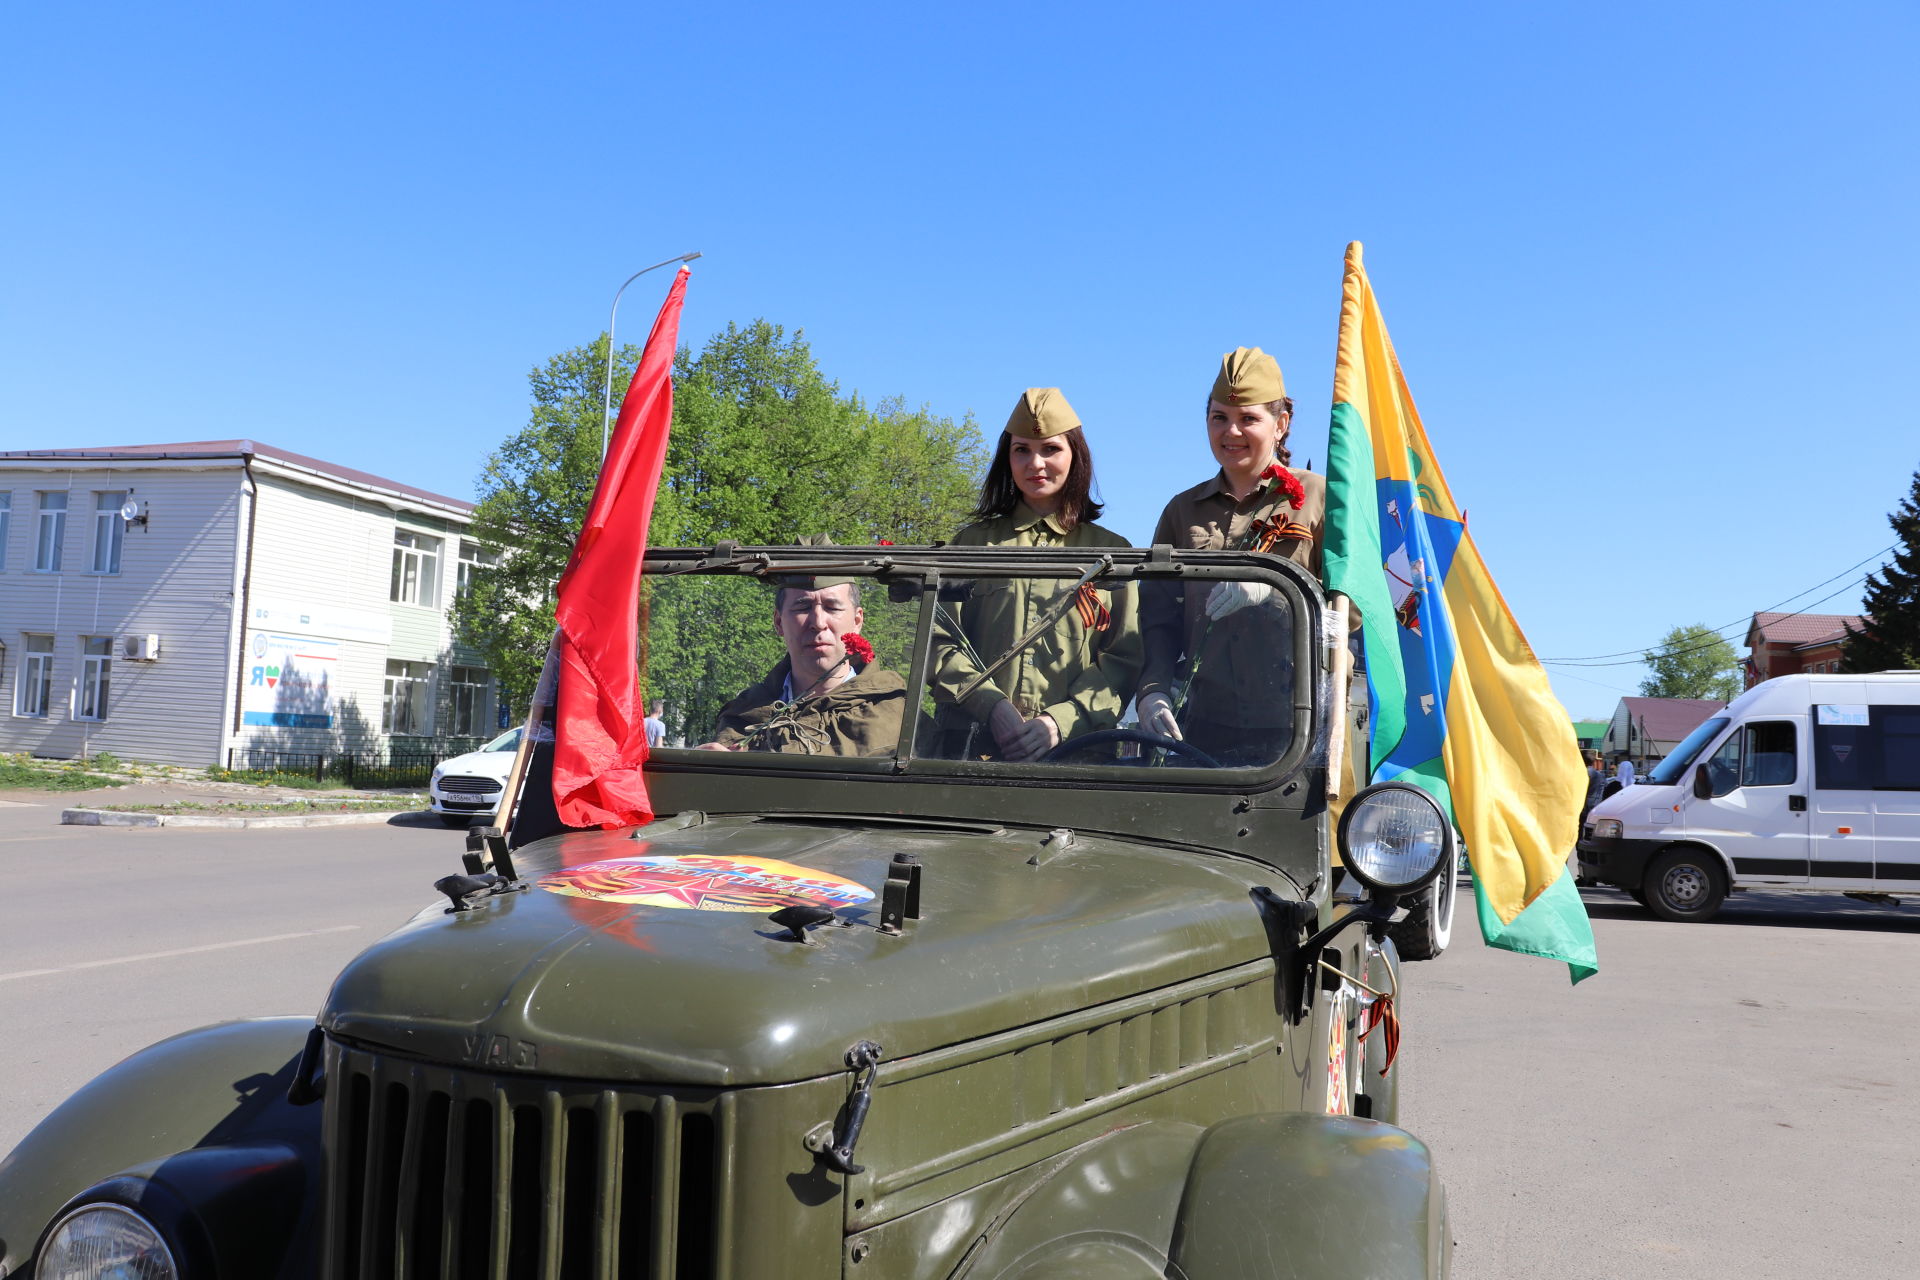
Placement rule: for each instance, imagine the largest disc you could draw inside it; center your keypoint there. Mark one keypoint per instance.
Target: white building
(205, 603)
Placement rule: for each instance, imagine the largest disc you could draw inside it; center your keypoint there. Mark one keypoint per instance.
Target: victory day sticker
(706, 882)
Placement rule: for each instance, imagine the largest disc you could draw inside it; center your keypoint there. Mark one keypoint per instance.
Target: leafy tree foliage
(764, 450)
(1692, 662)
(1890, 640)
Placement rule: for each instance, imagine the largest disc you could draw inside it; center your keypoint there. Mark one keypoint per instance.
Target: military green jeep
(941, 1009)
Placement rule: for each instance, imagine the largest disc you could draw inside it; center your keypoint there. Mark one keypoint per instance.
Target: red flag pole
(600, 739)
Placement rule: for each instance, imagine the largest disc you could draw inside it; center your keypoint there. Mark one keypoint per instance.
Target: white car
(468, 787)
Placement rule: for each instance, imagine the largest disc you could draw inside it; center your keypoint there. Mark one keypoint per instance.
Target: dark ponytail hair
(999, 495)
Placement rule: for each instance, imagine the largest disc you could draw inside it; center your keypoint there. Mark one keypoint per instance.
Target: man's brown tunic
(858, 718)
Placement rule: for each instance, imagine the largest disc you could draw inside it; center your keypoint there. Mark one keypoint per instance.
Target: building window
(416, 568)
(109, 530)
(52, 532)
(473, 558)
(470, 686)
(6, 525)
(407, 710)
(96, 669)
(36, 678)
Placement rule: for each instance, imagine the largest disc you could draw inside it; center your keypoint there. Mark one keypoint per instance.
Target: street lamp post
(606, 403)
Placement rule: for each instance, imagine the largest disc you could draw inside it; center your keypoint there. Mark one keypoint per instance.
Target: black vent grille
(437, 1172)
(464, 784)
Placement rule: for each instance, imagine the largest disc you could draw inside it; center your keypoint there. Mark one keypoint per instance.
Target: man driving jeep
(828, 696)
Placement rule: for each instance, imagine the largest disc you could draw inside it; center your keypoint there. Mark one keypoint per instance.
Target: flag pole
(1342, 676)
(523, 750)
(606, 398)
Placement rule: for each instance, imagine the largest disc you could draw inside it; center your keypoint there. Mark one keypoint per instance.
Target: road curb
(114, 818)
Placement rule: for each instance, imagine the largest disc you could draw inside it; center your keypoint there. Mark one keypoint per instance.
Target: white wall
(175, 581)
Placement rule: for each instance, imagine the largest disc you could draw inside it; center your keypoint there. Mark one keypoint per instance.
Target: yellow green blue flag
(1460, 705)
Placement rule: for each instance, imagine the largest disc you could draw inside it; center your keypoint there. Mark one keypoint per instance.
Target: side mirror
(1702, 784)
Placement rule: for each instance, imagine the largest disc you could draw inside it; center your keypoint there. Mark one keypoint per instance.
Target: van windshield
(1668, 771)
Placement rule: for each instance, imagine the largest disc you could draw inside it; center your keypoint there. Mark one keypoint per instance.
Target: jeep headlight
(1606, 829)
(1393, 837)
(106, 1242)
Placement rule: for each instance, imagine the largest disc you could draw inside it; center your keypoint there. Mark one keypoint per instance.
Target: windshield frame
(925, 568)
(1668, 771)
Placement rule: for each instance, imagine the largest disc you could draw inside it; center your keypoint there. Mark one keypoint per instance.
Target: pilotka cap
(1040, 414)
(811, 581)
(1248, 375)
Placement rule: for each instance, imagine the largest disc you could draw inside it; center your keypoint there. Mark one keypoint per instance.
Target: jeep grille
(439, 1172)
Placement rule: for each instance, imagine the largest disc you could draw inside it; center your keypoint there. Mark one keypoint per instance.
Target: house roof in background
(1797, 628)
(1670, 719)
(237, 449)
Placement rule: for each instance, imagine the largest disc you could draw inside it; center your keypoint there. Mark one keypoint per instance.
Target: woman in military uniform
(1217, 671)
(1077, 675)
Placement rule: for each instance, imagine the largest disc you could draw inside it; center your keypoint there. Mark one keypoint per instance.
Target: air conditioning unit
(140, 648)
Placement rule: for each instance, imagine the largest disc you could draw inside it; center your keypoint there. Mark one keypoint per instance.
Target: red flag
(600, 737)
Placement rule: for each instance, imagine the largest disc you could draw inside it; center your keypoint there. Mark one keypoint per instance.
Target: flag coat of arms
(1460, 705)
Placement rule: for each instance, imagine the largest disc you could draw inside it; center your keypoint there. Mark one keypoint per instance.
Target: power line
(1746, 621)
(1717, 640)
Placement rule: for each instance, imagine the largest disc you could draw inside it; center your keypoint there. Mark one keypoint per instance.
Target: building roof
(1589, 728)
(1837, 636)
(244, 448)
(1670, 719)
(1797, 628)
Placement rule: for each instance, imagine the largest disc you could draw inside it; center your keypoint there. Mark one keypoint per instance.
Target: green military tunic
(860, 717)
(1239, 680)
(1080, 676)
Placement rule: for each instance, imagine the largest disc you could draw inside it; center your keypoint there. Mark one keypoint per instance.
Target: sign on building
(290, 681)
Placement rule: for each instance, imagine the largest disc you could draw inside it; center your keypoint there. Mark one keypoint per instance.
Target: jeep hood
(1014, 928)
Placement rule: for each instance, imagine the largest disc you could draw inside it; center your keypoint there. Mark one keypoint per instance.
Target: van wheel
(1684, 885)
(1428, 928)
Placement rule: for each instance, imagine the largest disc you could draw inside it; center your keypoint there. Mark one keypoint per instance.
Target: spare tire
(1428, 926)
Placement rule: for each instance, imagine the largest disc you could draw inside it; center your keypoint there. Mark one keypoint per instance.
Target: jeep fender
(1300, 1195)
(195, 1131)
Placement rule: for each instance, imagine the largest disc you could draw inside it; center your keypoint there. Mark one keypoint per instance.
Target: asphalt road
(1734, 1098)
(112, 938)
(1726, 1099)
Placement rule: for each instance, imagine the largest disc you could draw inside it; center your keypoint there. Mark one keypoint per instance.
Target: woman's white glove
(1156, 716)
(1232, 597)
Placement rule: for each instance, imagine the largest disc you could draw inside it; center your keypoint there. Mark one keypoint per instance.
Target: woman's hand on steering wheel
(1146, 738)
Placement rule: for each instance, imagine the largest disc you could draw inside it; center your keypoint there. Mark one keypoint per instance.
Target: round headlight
(1393, 837)
(105, 1242)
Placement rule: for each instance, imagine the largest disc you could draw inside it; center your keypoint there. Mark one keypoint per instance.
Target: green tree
(1890, 638)
(1692, 662)
(764, 449)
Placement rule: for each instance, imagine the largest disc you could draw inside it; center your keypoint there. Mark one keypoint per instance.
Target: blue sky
(1650, 269)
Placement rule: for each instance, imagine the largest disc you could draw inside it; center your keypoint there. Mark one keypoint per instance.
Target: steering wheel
(1144, 737)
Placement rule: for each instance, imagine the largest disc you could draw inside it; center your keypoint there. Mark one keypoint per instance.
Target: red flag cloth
(600, 737)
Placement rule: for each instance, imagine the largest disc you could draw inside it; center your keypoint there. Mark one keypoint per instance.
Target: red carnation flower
(1287, 484)
(885, 542)
(857, 647)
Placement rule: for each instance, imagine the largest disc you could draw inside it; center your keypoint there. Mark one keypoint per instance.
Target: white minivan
(1804, 783)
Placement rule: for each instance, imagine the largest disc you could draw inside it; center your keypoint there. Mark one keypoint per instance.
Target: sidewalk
(85, 808)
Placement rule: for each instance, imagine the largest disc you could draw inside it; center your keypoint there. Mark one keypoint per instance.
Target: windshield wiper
(1047, 619)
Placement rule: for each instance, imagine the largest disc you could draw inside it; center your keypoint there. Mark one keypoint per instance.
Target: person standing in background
(656, 726)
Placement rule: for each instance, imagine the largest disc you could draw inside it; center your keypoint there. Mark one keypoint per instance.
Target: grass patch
(47, 775)
(271, 778)
(282, 806)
